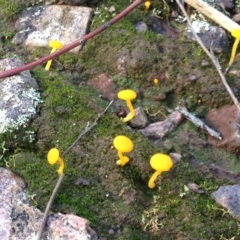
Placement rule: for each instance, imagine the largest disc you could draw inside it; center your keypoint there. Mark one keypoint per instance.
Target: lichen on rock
(19, 97)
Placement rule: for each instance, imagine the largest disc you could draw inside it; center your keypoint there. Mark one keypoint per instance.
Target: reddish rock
(226, 121)
(21, 221)
(104, 85)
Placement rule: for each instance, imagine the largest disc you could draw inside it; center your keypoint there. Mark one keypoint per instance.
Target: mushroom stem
(151, 183)
(123, 159)
(132, 111)
(61, 163)
(49, 62)
(234, 49)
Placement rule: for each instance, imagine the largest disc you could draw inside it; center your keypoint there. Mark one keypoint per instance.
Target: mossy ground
(118, 197)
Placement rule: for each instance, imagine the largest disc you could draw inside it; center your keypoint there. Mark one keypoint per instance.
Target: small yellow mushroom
(161, 163)
(155, 81)
(147, 5)
(235, 33)
(55, 45)
(122, 144)
(128, 95)
(53, 157)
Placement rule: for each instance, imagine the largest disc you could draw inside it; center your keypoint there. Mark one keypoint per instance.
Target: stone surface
(211, 36)
(18, 97)
(229, 197)
(104, 85)
(141, 26)
(161, 129)
(225, 120)
(39, 25)
(20, 221)
(140, 119)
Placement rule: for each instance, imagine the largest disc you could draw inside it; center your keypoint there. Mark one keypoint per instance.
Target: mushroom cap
(123, 143)
(235, 33)
(55, 44)
(147, 3)
(127, 94)
(161, 162)
(53, 155)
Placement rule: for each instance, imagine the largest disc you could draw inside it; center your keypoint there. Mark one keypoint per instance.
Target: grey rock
(141, 26)
(205, 63)
(38, 25)
(211, 36)
(229, 197)
(19, 97)
(82, 181)
(20, 221)
(159, 130)
(140, 119)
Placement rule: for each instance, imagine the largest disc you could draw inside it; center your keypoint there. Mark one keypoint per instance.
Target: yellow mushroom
(161, 163)
(53, 157)
(147, 5)
(235, 33)
(122, 144)
(55, 45)
(128, 95)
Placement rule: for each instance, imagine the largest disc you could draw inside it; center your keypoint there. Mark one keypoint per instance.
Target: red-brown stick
(76, 43)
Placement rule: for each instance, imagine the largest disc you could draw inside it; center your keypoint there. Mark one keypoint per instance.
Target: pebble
(204, 63)
(141, 26)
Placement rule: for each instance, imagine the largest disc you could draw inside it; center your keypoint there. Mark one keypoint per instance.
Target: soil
(117, 200)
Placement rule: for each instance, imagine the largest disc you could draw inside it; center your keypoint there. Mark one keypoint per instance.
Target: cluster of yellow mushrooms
(159, 162)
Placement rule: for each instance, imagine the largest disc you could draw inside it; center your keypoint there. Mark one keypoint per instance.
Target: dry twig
(88, 128)
(45, 216)
(198, 122)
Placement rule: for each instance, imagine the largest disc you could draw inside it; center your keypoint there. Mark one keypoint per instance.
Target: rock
(229, 197)
(194, 187)
(176, 157)
(205, 63)
(19, 97)
(211, 36)
(225, 120)
(228, 5)
(161, 129)
(141, 26)
(140, 119)
(40, 24)
(162, 27)
(20, 221)
(236, 18)
(104, 85)
(82, 181)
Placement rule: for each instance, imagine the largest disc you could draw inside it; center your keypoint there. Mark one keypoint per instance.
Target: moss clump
(12, 7)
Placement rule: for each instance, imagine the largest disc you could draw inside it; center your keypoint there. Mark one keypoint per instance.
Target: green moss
(11, 7)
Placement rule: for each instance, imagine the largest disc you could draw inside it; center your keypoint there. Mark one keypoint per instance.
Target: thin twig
(45, 216)
(211, 56)
(88, 128)
(72, 45)
(198, 122)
